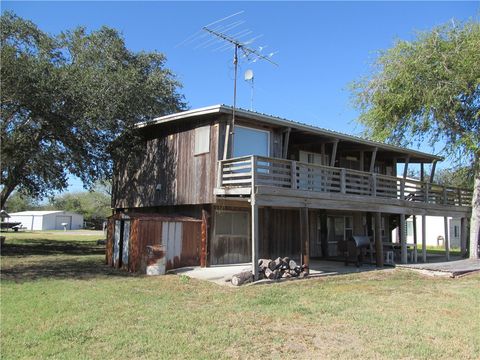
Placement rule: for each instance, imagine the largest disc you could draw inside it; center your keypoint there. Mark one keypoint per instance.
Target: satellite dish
(248, 75)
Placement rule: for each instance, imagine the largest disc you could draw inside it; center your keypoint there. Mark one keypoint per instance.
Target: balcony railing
(249, 171)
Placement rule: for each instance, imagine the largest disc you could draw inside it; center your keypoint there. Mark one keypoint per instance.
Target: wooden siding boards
(165, 171)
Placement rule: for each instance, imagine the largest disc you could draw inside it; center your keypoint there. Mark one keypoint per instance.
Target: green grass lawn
(59, 300)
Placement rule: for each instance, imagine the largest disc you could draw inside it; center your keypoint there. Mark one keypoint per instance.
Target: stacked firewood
(280, 268)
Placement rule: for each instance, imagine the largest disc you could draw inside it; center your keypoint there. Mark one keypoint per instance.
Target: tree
(18, 202)
(92, 205)
(461, 177)
(428, 89)
(65, 101)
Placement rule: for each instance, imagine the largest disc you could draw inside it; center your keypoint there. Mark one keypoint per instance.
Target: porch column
(304, 237)
(204, 239)
(378, 239)
(254, 238)
(403, 239)
(463, 237)
(424, 238)
(414, 239)
(447, 238)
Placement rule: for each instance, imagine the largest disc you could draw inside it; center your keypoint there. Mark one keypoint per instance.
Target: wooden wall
(165, 171)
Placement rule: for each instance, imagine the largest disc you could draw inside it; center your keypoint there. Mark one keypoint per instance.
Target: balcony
(239, 176)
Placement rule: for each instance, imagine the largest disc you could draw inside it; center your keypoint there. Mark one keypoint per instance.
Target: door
(231, 242)
(116, 243)
(59, 220)
(172, 235)
(125, 240)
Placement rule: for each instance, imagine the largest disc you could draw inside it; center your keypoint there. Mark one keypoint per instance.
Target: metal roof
(274, 120)
(39, 212)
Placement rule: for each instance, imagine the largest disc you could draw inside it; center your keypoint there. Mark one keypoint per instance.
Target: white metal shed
(47, 220)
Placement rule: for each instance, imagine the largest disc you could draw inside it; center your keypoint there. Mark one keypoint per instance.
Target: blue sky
(322, 47)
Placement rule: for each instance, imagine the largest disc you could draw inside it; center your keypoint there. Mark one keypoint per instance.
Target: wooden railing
(249, 171)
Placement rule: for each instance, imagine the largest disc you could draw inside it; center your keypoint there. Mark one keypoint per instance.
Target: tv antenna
(227, 34)
(249, 77)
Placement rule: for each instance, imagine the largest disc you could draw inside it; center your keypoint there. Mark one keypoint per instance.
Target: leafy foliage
(66, 99)
(91, 204)
(461, 177)
(427, 89)
(18, 202)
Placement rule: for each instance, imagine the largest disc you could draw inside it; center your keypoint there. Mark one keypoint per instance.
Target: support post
(323, 162)
(424, 238)
(403, 239)
(305, 236)
(378, 240)
(204, 242)
(432, 174)
(334, 153)
(227, 141)
(374, 157)
(405, 169)
(447, 238)
(463, 237)
(415, 239)
(285, 143)
(255, 239)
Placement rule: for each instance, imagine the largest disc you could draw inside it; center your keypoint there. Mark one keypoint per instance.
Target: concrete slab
(450, 268)
(222, 274)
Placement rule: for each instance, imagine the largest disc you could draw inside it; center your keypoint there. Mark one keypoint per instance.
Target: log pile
(280, 268)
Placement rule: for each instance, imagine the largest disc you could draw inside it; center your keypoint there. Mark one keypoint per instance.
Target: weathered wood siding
(165, 170)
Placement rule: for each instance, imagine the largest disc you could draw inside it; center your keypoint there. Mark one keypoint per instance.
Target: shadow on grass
(30, 260)
(51, 247)
(61, 269)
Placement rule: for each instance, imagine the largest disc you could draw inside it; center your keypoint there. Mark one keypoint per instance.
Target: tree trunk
(475, 219)
(4, 195)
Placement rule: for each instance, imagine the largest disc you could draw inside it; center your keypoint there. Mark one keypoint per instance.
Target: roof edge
(274, 120)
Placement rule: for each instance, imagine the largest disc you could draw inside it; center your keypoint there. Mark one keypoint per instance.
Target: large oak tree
(65, 99)
(428, 89)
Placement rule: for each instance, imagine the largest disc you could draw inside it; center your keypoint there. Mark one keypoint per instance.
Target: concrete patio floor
(452, 268)
(221, 274)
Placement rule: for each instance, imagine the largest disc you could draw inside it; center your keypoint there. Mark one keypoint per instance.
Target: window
(248, 141)
(202, 140)
(409, 228)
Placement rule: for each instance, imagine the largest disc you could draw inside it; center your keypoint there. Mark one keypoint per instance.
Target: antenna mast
(249, 53)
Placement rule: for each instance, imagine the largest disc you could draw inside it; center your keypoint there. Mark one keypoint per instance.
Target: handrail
(248, 171)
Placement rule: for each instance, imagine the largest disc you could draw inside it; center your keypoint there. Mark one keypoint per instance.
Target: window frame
(269, 138)
(197, 132)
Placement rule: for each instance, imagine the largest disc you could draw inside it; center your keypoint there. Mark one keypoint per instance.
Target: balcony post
(402, 189)
(219, 173)
(374, 184)
(427, 190)
(253, 160)
(293, 174)
(343, 185)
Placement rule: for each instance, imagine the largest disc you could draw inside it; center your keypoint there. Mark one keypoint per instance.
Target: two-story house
(273, 187)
